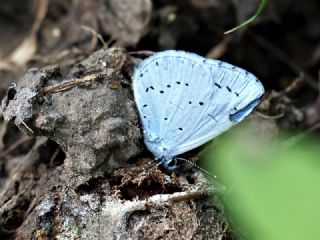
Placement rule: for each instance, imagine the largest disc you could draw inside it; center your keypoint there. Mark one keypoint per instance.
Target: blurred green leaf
(272, 193)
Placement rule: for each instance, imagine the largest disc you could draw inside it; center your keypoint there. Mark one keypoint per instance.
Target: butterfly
(185, 100)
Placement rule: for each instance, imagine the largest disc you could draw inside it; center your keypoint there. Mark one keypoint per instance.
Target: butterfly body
(185, 100)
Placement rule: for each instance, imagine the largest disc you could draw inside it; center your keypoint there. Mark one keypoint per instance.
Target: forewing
(172, 90)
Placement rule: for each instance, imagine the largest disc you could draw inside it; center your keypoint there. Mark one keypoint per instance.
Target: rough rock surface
(93, 118)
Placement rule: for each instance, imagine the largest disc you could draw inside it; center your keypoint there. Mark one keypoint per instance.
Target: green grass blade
(262, 5)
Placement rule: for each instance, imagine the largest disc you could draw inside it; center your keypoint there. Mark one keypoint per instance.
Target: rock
(90, 112)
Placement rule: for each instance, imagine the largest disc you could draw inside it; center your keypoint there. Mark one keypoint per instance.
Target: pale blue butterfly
(185, 100)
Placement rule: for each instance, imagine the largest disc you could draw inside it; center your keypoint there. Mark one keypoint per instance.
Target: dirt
(72, 160)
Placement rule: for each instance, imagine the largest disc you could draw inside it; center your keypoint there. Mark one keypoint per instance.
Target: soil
(72, 160)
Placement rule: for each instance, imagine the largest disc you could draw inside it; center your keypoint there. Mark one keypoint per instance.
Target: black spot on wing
(217, 85)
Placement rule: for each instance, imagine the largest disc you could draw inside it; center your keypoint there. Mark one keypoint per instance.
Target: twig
(142, 52)
(277, 116)
(163, 199)
(29, 131)
(293, 85)
(3, 129)
(93, 32)
(54, 155)
(218, 50)
(60, 87)
(42, 8)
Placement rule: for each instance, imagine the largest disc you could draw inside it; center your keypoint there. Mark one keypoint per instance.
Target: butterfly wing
(184, 100)
(164, 88)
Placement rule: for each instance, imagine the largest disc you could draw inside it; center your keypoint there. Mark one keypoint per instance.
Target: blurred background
(281, 47)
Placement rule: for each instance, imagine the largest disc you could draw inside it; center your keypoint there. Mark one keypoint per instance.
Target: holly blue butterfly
(185, 100)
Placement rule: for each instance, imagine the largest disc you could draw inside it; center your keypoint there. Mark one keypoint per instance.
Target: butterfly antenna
(198, 167)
